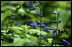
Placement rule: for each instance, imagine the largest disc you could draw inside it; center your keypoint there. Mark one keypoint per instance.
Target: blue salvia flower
(46, 28)
(66, 42)
(33, 25)
(28, 4)
(43, 25)
(37, 1)
(53, 33)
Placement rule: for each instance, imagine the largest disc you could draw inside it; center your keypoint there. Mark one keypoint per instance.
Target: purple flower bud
(33, 25)
(37, 1)
(28, 4)
(53, 33)
(46, 28)
(66, 42)
(43, 25)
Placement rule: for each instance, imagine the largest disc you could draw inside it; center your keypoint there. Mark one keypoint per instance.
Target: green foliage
(23, 34)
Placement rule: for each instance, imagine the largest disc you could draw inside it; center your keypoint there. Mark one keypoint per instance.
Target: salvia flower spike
(43, 25)
(28, 4)
(53, 33)
(46, 28)
(37, 1)
(33, 25)
(66, 42)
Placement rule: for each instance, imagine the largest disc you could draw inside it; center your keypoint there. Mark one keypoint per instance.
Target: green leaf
(4, 15)
(15, 28)
(18, 42)
(33, 31)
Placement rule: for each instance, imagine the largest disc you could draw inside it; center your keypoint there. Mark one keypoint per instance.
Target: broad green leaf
(4, 15)
(18, 42)
(15, 28)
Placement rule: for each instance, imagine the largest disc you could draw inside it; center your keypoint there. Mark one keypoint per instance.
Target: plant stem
(57, 27)
(40, 23)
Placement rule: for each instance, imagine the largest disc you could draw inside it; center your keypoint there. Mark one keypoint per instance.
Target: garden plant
(35, 23)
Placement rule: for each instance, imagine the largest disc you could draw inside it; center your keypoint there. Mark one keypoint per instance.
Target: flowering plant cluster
(32, 23)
